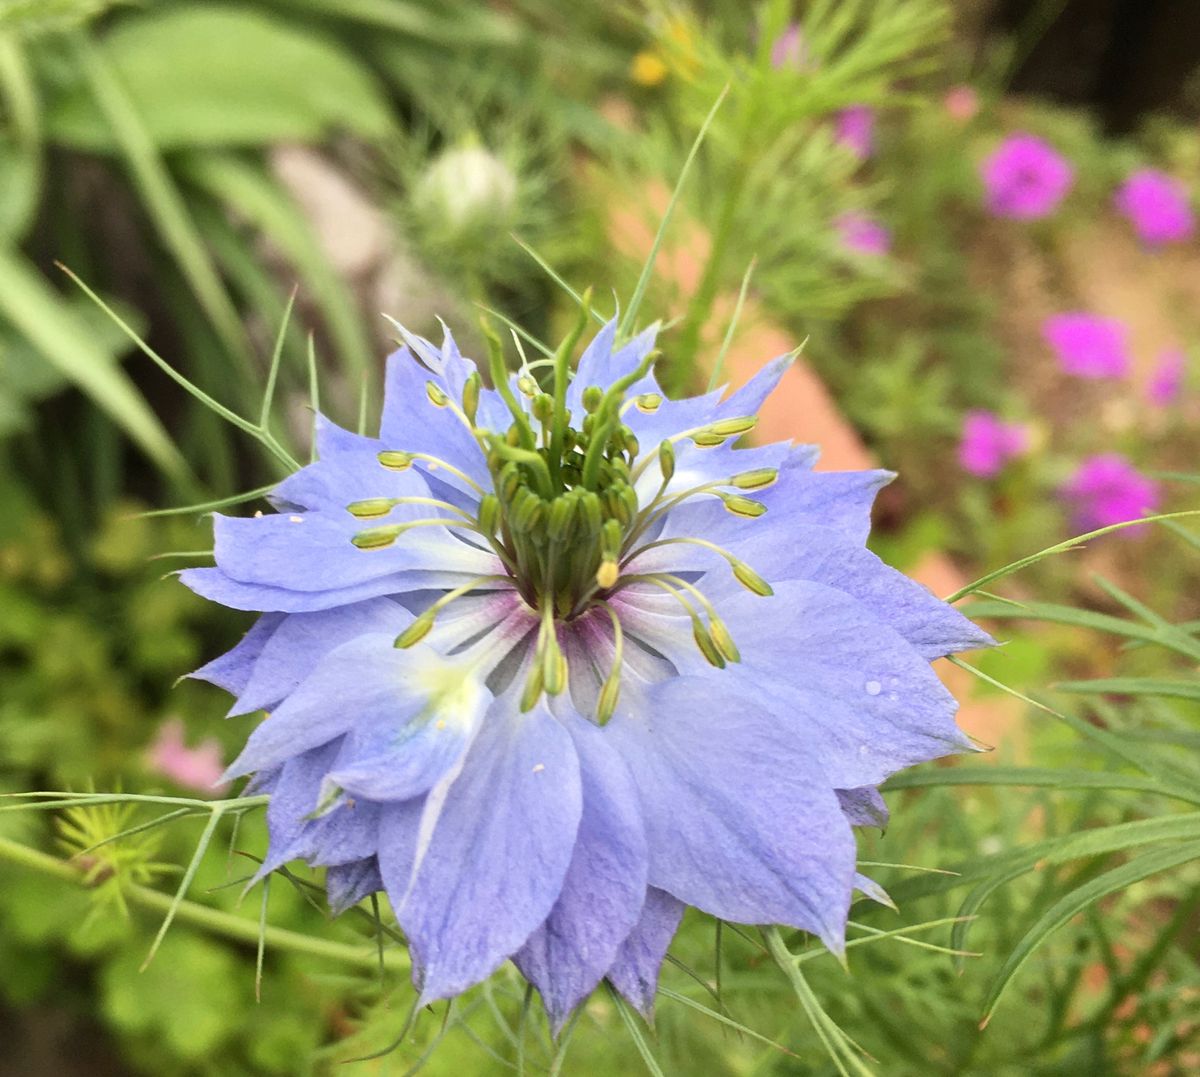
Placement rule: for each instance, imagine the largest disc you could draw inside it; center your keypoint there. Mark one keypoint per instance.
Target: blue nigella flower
(549, 665)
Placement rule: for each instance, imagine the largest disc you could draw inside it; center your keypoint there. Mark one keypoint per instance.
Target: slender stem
(236, 928)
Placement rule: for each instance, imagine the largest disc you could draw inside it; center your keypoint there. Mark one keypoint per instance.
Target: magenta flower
(862, 234)
(1087, 345)
(1106, 490)
(988, 443)
(790, 50)
(1167, 379)
(1026, 178)
(855, 129)
(198, 768)
(961, 103)
(1157, 206)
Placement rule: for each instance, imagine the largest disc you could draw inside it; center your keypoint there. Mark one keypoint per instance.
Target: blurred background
(978, 219)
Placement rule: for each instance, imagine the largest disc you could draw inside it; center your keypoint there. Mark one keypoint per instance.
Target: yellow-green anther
(376, 538)
(723, 640)
(371, 509)
(415, 632)
(758, 479)
(618, 508)
(436, 396)
(489, 514)
(728, 428)
(619, 467)
(630, 443)
(666, 460)
(592, 396)
(705, 642)
(513, 436)
(750, 579)
(533, 688)
(629, 499)
(607, 703)
(708, 440)
(470, 396)
(554, 669)
(527, 384)
(608, 573)
(743, 506)
(394, 460)
(527, 510)
(648, 403)
(510, 481)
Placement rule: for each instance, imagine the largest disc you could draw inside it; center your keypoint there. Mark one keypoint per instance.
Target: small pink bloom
(790, 50)
(1087, 345)
(1106, 490)
(855, 129)
(862, 234)
(961, 103)
(1167, 379)
(198, 768)
(988, 443)
(1025, 178)
(1157, 205)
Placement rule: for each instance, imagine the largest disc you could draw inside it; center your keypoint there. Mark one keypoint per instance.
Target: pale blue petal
(605, 886)
(863, 806)
(499, 841)
(635, 971)
(347, 884)
(234, 670)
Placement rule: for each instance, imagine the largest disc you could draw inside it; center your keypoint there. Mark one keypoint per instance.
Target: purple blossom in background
(855, 129)
(1088, 345)
(503, 681)
(789, 49)
(989, 443)
(1167, 379)
(1157, 206)
(862, 234)
(1025, 178)
(1106, 490)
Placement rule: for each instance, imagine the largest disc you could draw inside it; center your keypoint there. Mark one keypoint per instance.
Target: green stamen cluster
(563, 514)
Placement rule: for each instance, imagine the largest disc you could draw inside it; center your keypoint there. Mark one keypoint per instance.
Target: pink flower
(1167, 379)
(862, 234)
(1025, 178)
(1088, 345)
(1106, 490)
(961, 103)
(855, 129)
(790, 50)
(1157, 205)
(988, 443)
(198, 768)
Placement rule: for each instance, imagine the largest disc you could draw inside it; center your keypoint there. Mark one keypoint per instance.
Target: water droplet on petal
(874, 688)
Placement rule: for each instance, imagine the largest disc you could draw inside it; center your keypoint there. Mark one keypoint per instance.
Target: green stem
(235, 928)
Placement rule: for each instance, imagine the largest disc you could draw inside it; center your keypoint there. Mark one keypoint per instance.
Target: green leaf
(67, 342)
(225, 75)
(1132, 686)
(1141, 867)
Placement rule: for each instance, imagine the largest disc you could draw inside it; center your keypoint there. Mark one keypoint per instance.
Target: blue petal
(293, 798)
(871, 889)
(866, 703)
(332, 483)
(605, 886)
(235, 668)
(750, 397)
(497, 840)
(740, 819)
(347, 884)
(863, 806)
(303, 639)
(332, 439)
(635, 971)
(366, 676)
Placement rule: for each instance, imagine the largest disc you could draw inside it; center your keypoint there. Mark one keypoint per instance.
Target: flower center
(564, 515)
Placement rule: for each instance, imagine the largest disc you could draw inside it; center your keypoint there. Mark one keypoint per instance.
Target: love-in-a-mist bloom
(862, 234)
(989, 443)
(1088, 345)
(550, 662)
(1157, 206)
(854, 128)
(1025, 178)
(1108, 489)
